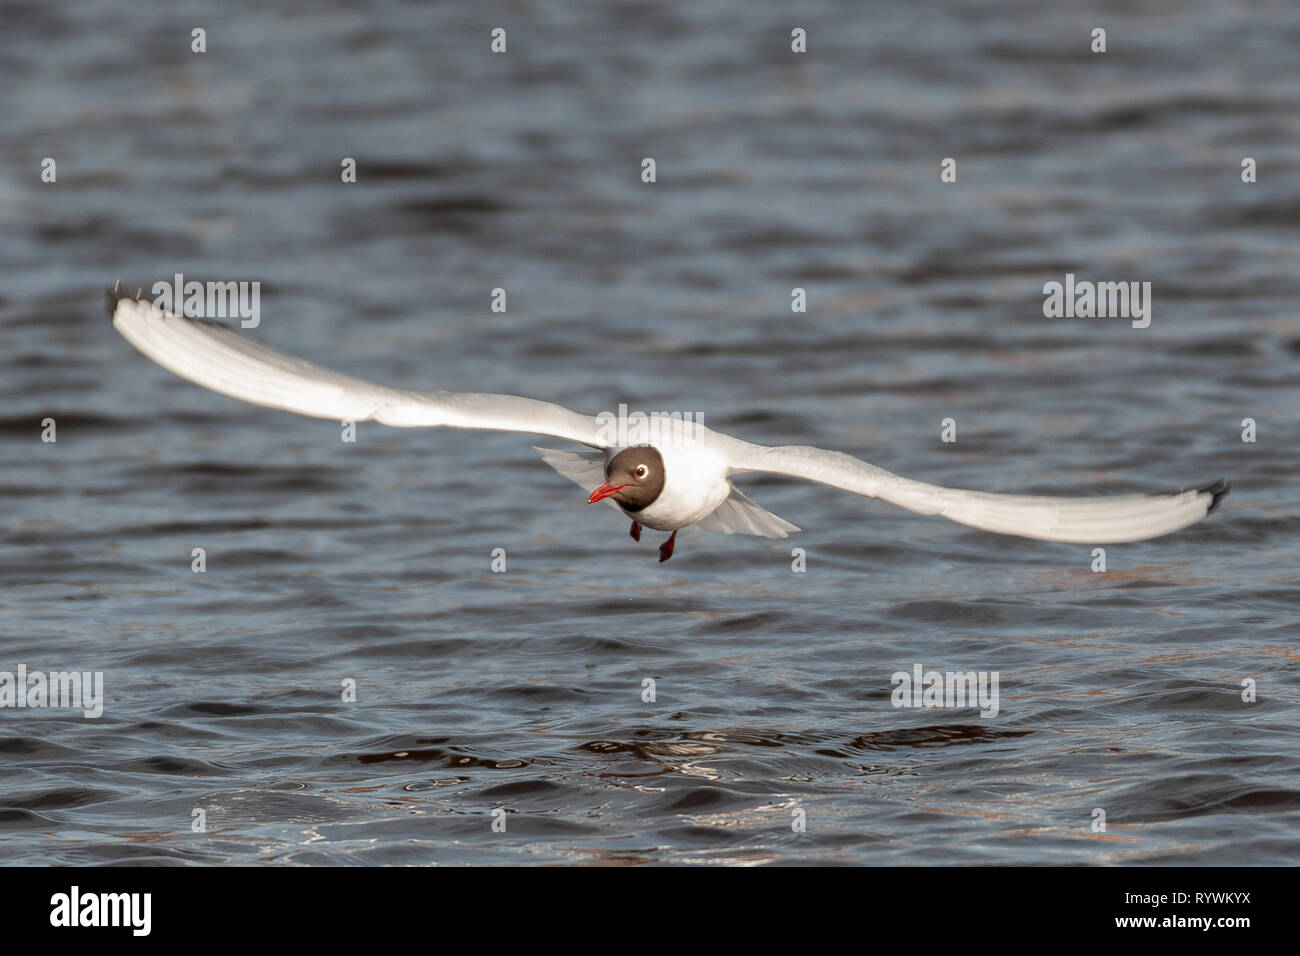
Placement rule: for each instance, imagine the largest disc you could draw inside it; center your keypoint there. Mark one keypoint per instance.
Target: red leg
(635, 532)
(666, 549)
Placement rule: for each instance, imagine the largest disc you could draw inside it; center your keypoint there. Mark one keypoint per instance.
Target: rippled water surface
(523, 690)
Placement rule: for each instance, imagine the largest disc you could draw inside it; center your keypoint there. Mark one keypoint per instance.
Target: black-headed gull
(679, 478)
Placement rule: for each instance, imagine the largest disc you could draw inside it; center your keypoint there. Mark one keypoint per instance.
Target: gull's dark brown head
(634, 478)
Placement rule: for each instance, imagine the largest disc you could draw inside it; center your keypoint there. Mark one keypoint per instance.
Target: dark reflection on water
(370, 562)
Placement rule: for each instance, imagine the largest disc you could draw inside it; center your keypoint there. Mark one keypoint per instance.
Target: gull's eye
(641, 471)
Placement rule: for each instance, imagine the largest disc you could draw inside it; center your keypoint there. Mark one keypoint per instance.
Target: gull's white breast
(695, 480)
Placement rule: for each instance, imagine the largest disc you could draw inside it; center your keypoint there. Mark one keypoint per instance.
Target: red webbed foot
(666, 549)
(635, 532)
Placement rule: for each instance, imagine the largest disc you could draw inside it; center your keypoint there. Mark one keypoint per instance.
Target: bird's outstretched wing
(219, 358)
(1100, 520)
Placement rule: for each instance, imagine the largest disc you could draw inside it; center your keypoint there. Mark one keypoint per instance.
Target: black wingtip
(1219, 489)
(115, 295)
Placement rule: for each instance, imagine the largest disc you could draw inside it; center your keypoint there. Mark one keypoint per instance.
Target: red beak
(604, 491)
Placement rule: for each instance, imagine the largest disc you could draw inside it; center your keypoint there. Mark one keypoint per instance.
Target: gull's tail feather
(739, 515)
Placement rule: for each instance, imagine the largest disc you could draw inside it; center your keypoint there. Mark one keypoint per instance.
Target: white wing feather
(1103, 520)
(220, 359)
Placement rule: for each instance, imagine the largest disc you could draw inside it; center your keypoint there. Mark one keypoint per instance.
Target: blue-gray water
(523, 690)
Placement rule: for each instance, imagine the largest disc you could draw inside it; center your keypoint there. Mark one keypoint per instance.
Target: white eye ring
(641, 471)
